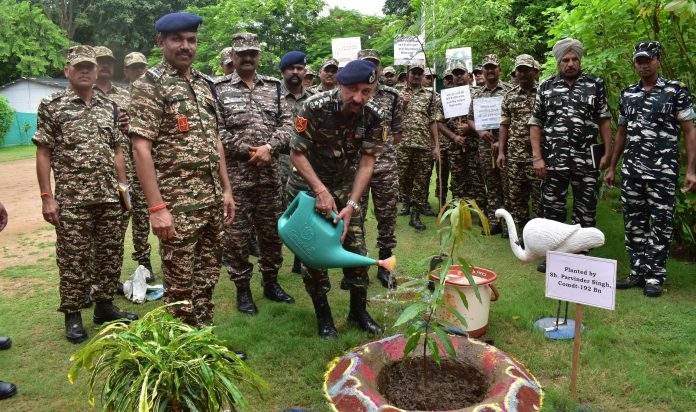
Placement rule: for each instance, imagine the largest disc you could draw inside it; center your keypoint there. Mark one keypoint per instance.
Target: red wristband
(157, 208)
(46, 195)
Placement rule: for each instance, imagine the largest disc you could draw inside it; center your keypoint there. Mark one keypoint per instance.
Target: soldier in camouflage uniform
(134, 66)
(479, 80)
(226, 62)
(488, 141)
(77, 137)
(327, 77)
(422, 112)
(466, 181)
(389, 76)
(181, 166)
(138, 213)
(328, 130)
(309, 78)
(256, 129)
(651, 113)
(515, 154)
(569, 111)
(385, 178)
(293, 68)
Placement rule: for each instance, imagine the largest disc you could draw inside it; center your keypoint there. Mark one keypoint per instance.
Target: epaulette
(269, 78)
(318, 99)
(389, 89)
(154, 73)
(205, 77)
(54, 96)
(222, 79)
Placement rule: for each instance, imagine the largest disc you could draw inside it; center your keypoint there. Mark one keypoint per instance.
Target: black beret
(293, 57)
(357, 71)
(181, 21)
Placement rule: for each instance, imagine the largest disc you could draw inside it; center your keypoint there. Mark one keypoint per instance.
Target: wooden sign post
(584, 280)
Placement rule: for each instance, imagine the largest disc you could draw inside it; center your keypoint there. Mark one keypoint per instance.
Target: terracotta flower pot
(351, 381)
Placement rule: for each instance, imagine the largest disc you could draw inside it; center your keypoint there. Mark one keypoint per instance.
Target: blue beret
(293, 57)
(357, 71)
(181, 21)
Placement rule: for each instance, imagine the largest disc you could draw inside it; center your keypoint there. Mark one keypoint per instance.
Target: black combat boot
(631, 281)
(428, 211)
(297, 266)
(415, 221)
(358, 312)
(5, 343)
(106, 311)
(383, 275)
(325, 323)
(405, 209)
(7, 390)
(245, 301)
(74, 331)
(273, 291)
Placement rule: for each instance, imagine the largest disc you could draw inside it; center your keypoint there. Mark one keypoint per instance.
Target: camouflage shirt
(651, 119)
(295, 102)
(180, 117)
(82, 140)
(483, 91)
(253, 118)
(391, 107)
(458, 125)
(121, 97)
(327, 139)
(421, 108)
(569, 118)
(516, 111)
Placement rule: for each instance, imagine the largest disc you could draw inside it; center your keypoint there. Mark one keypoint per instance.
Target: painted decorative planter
(351, 381)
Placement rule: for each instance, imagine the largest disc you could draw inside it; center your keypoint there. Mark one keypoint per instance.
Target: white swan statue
(543, 235)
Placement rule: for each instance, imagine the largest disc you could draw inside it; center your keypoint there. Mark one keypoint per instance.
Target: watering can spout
(316, 240)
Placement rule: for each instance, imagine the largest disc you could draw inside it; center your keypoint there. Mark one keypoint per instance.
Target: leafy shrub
(6, 117)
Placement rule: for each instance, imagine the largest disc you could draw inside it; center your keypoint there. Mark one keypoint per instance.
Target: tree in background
(31, 44)
(6, 117)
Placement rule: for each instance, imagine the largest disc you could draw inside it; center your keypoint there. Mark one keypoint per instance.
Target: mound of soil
(451, 385)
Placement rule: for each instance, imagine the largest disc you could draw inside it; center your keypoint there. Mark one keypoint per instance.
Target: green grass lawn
(8, 154)
(640, 357)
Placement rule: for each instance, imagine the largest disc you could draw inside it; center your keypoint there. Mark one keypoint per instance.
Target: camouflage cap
(226, 56)
(389, 69)
(329, 62)
(457, 65)
(309, 72)
(245, 41)
(134, 58)
(537, 65)
(103, 51)
(524, 60)
(447, 73)
(416, 66)
(401, 75)
(490, 59)
(369, 54)
(477, 68)
(80, 54)
(651, 49)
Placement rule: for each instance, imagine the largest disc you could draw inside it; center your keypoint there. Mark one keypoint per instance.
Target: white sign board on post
(455, 101)
(345, 49)
(462, 54)
(487, 112)
(409, 50)
(581, 279)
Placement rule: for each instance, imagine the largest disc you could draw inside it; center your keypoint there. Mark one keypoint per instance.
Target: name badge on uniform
(182, 124)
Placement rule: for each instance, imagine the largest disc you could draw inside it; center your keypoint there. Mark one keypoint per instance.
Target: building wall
(24, 97)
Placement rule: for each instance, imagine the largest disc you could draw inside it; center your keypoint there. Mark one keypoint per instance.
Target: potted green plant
(159, 363)
(426, 368)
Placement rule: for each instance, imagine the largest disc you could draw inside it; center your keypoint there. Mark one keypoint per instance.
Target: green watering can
(316, 240)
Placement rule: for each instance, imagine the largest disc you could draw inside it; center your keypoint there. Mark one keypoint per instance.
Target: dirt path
(27, 237)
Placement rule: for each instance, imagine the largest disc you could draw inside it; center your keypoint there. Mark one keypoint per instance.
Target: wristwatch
(353, 204)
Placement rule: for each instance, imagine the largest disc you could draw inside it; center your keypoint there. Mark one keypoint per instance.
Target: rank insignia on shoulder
(182, 124)
(300, 124)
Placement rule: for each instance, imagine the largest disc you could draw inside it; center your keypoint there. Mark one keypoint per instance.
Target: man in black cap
(293, 68)
(181, 167)
(651, 112)
(331, 130)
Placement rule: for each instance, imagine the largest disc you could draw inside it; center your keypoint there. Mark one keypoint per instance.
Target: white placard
(461, 54)
(581, 279)
(455, 101)
(487, 112)
(409, 50)
(345, 49)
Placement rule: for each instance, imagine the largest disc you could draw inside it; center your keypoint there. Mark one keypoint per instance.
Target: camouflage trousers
(415, 167)
(140, 223)
(285, 169)
(648, 210)
(191, 263)
(522, 186)
(317, 281)
(89, 253)
(467, 182)
(258, 208)
(554, 190)
(492, 178)
(384, 186)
